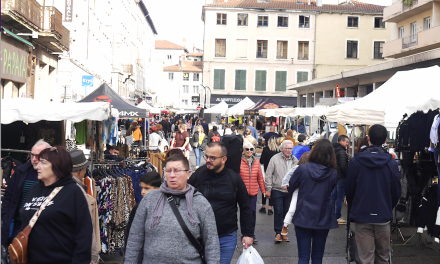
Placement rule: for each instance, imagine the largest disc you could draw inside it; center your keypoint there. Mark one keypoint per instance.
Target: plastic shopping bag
(250, 256)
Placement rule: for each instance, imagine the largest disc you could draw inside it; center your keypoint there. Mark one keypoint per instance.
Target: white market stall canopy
(32, 111)
(185, 111)
(405, 93)
(220, 108)
(299, 111)
(151, 109)
(238, 109)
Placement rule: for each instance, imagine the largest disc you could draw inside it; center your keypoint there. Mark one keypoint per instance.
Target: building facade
(414, 42)
(254, 51)
(111, 41)
(32, 37)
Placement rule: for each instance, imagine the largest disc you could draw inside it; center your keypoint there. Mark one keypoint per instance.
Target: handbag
(18, 248)
(199, 246)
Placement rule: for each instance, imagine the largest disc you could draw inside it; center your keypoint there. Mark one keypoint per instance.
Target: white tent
(238, 109)
(299, 111)
(220, 108)
(405, 93)
(32, 111)
(151, 109)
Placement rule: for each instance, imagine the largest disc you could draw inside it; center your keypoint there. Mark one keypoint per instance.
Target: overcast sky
(178, 19)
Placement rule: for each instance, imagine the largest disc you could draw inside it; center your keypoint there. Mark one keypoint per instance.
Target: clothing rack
(16, 150)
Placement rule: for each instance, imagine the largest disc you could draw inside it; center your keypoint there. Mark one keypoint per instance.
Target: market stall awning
(262, 104)
(220, 108)
(105, 93)
(186, 111)
(299, 111)
(238, 109)
(405, 93)
(151, 109)
(32, 111)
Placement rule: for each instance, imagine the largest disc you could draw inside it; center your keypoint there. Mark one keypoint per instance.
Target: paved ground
(335, 247)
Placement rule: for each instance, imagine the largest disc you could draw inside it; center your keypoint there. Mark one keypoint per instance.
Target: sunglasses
(249, 149)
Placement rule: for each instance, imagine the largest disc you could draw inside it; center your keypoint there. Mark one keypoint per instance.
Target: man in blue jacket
(372, 190)
(24, 177)
(301, 148)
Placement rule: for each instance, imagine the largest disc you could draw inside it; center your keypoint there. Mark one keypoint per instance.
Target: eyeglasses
(212, 157)
(288, 148)
(34, 155)
(249, 149)
(176, 171)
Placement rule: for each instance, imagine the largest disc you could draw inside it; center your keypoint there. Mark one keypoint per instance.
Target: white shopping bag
(250, 256)
(264, 173)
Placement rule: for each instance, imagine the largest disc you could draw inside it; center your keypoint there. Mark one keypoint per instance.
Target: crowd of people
(304, 187)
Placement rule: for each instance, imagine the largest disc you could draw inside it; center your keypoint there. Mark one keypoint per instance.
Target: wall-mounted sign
(87, 83)
(195, 99)
(14, 63)
(68, 13)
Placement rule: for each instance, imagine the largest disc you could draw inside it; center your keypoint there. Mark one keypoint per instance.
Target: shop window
(240, 80)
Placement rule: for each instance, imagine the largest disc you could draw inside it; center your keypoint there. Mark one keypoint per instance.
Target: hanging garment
(428, 210)
(81, 132)
(110, 131)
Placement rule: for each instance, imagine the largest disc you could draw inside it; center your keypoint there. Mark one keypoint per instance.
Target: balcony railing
(405, 7)
(65, 37)
(53, 20)
(29, 9)
(409, 41)
(262, 55)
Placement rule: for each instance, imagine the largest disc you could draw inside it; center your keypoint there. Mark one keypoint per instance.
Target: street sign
(198, 108)
(338, 91)
(87, 83)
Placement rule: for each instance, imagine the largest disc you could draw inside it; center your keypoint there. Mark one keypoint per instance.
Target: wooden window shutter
(242, 46)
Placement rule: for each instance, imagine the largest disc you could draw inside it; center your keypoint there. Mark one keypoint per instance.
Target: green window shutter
(240, 80)
(219, 79)
(237, 79)
(281, 81)
(301, 77)
(260, 80)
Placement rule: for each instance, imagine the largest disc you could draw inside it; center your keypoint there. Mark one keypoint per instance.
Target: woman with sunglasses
(63, 232)
(250, 172)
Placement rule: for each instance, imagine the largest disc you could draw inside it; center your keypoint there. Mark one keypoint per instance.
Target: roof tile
(165, 44)
(187, 66)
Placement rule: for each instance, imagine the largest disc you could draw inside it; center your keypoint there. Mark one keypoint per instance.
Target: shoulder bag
(18, 248)
(199, 246)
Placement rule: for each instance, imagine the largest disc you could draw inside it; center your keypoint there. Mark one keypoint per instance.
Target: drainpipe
(314, 50)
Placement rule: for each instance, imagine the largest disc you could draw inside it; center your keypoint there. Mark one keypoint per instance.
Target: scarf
(201, 138)
(158, 209)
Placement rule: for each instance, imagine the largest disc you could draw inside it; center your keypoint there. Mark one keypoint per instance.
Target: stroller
(351, 247)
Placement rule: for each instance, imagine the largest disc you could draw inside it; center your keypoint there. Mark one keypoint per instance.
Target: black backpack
(234, 145)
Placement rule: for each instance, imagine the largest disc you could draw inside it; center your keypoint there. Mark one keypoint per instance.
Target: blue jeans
(280, 203)
(199, 153)
(227, 247)
(338, 196)
(310, 240)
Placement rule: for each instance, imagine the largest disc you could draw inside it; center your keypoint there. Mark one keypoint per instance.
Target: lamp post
(206, 101)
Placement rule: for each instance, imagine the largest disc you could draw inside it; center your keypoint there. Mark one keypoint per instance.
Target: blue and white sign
(87, 82)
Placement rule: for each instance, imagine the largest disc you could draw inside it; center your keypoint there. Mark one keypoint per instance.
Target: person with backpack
(199, 143)
(214, 136)
(224, 189)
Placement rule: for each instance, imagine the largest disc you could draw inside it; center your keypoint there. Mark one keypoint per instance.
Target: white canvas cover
(32, 111)
(238, 109)
(220, 108)
(151, 109)
(299, 111)
(405, 93)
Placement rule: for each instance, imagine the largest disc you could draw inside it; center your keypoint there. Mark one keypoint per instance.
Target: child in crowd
(149, 181)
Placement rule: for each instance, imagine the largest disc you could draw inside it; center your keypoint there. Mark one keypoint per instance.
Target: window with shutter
(281, 49)
(261, 48)
(241, 48)
(219, 79)
(220, 48)
(240, 80)
(302, 76)
(260, 80)
(280, 81)
(303, 50)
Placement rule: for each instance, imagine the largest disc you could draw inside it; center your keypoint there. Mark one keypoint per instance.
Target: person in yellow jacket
(136, 131)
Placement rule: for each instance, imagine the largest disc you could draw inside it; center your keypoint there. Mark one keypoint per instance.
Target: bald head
(36, 149)
(272, 129)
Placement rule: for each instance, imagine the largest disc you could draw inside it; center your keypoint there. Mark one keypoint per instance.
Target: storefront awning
(7, 32)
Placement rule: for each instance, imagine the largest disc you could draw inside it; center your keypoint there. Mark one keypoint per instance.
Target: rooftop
(165, 44)
(347, 6)
(187, 66)
(194, 54)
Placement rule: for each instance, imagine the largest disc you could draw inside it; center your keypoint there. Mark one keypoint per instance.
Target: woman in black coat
(272, 148)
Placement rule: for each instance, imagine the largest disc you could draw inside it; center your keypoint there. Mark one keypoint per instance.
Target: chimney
(319, 3)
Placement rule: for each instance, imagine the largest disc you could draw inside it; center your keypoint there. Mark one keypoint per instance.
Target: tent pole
(147, 132)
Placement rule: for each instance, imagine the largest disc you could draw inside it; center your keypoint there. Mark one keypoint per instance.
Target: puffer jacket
(342, 160)
(252, 176)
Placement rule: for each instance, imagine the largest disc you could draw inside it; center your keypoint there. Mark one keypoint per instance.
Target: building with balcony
(413, 43)
(32, 37)
(111, 41)
(417, 27)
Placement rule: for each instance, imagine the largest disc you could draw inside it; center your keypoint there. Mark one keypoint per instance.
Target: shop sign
(68, 11)
(87, 83)
(14, 63)
(195, 99)
(131, 113)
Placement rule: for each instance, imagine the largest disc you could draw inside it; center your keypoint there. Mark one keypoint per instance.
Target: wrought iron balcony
(30, 10)
(53, 20)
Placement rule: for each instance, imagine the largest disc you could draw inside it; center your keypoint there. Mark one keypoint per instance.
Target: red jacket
(256, 178)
